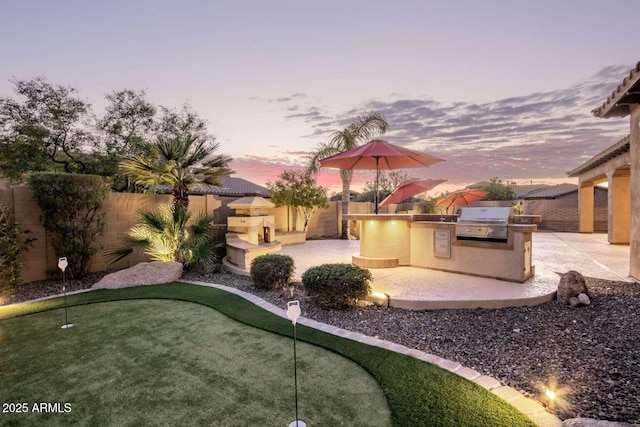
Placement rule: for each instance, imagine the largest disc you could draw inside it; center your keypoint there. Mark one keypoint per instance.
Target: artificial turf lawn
(162, 362)
(418, 393)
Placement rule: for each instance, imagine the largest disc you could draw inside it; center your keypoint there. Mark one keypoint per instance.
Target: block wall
(40, 262)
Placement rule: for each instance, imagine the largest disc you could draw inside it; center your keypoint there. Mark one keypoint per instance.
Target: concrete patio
(421, 289)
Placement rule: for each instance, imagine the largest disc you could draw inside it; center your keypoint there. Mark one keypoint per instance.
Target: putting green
(165, 362)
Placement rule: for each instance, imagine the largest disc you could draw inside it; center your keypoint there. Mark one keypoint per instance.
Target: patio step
(370, 262)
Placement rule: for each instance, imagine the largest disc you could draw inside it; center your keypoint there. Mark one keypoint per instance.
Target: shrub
(426, 205)
(170, 233)
(11, 247)
(72, 214)
(337, 285)
(272, 271)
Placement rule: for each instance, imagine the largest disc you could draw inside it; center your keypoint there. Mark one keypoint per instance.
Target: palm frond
(115, 255)
(369, 124)
(322, 150)
(343, 140)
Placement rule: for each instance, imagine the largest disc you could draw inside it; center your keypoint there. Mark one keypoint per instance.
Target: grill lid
(484, 215)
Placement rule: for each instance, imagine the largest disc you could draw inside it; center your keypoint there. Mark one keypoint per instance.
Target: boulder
(571, 285)
(145, 273)
(574, 302)
(584, 299)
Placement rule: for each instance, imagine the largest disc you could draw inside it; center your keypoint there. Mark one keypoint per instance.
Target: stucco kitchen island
(417, 240)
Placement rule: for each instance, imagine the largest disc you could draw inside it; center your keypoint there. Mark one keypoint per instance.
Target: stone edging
(532, 409)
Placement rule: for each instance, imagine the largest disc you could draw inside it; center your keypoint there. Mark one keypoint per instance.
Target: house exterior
(619, 166)
(611, 166)
(557, 205)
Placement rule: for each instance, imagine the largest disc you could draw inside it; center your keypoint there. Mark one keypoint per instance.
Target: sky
(495, 87)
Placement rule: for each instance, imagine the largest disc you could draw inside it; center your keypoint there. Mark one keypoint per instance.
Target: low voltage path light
(62, 265)
(293, 312)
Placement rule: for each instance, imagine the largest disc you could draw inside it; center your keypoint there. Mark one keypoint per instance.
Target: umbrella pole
(377, 177)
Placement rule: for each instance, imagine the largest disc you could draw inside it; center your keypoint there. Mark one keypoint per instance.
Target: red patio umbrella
(379, 155)
(462, 198)
(409, 188)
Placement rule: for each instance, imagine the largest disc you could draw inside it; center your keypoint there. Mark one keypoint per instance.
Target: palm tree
(169, 234)
(180, 162)
(364, 128)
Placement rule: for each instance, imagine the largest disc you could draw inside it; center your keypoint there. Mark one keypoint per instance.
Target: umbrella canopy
(409, 188)
(462, 198)
(379, 155)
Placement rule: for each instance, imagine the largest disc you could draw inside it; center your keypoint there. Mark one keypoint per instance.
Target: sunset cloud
(536, 136)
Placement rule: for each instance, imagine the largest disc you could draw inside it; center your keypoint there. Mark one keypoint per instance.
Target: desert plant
(337, 285)
(272, 271)
(11, 247)
(168, 234)
(180, 162)
(72, 214)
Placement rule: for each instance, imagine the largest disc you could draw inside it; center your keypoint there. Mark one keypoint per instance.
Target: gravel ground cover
(590, 355)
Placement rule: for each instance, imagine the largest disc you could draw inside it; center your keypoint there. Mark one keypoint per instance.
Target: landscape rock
(588, 422)
(584, 299)
(145, 273)
(571, 285)
(574, 302)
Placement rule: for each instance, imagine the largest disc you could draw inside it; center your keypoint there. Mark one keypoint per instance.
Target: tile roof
(536, 191)
(605, 155)
(550, 191)
(627, 92)
(522, 190)
(232, 186)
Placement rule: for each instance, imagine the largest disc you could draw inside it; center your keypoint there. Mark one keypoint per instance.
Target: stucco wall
(40, 262)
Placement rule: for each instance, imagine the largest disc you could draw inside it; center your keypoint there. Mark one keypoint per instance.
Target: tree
(388, 181)
(363, 128)
(498, 191)
(47, 130)
(298, 189)
(181, 124)
(128, 121)
(180, 162)
(73, 214)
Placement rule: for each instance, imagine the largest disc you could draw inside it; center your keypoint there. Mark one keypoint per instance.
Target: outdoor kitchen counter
(391, 240)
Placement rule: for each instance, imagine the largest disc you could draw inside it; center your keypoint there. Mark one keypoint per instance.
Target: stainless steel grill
(485, 224)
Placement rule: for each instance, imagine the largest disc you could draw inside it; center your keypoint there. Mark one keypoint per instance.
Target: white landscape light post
(293, 312)
(62, 265)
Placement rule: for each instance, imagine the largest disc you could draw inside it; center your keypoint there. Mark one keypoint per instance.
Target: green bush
(272, 271)
(11, 247)
(337, 285)
(170, 233)
(426, 205)
(72, 214)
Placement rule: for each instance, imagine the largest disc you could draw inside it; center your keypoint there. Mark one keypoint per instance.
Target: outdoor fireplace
(250, 233)
(252, 223)
(487, 224)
